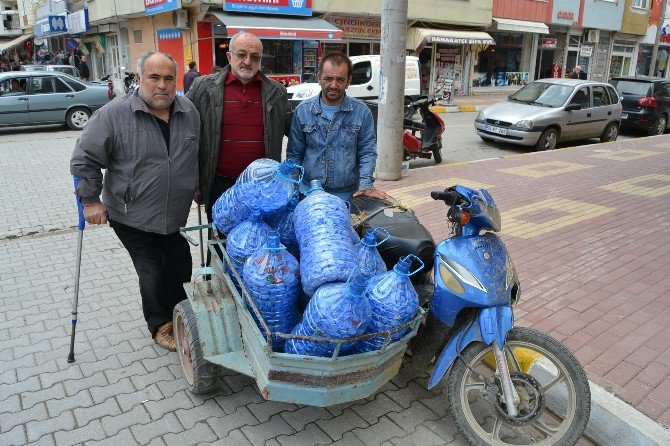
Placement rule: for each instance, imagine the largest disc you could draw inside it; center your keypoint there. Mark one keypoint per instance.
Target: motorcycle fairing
(483, 269)
(491, 324)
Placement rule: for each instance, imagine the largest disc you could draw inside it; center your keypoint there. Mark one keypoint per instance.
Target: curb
(457, 108)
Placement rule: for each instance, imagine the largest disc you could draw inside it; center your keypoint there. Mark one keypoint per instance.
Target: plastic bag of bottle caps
(245, 239)
(370, 262)
(282, 222)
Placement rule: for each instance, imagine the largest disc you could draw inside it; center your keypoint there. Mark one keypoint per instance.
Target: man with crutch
(148, 143)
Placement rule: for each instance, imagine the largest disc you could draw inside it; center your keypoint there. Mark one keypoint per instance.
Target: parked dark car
(646, 103)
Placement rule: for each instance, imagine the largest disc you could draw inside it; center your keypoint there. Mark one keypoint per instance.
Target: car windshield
(632, 87)
(543, 93)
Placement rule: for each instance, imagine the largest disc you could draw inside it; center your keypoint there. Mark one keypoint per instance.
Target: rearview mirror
(573, 107)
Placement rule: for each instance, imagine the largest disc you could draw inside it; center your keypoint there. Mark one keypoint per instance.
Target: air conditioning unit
(180, 18)
(593, 36)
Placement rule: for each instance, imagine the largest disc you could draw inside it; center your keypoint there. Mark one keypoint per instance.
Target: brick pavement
(588, 230)
(124, 389)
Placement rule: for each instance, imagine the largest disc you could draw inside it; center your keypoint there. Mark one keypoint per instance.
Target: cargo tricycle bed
(214, 329)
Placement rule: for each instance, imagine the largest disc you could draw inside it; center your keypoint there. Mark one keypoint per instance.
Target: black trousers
(163, 264)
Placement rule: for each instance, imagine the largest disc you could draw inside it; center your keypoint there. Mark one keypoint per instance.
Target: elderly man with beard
(244, 117)
(148, 144)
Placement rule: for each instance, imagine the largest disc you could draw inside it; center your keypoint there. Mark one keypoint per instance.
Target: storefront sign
(77, 22)
(461, 40)
(157, 6)
(586, 51)
(53, 25)
(288, 34)
(286, 79)
(170, 42)
(548, 43)
(358, 27)
(565, 15)
(285, 7)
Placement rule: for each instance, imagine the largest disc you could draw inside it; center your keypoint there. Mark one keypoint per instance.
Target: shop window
(642, 4)
(362, 73)
(359, 48)
(137, 36)
(329, 47)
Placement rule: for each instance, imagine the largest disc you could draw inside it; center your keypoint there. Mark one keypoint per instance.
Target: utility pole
(391, 89)
(659, 28)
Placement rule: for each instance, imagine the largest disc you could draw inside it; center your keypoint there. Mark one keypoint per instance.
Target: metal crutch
(80, 225)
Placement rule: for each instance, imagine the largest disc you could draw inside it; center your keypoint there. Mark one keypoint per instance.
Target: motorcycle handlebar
(450, 197)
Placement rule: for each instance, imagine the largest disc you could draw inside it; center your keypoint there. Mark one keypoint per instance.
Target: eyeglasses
(329, 79)
(242, 55)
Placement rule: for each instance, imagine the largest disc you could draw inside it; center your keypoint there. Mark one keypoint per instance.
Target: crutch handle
(80, 207)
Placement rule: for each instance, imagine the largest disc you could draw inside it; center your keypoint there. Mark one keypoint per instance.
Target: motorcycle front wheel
(554, 396)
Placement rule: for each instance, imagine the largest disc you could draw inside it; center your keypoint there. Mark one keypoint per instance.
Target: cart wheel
(201, 376)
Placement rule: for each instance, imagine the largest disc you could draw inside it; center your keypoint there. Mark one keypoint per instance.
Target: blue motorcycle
(505, 384)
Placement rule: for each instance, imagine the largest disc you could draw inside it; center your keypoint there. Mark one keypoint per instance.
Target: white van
(364, 82)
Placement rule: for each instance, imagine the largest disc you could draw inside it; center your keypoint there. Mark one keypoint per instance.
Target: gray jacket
(144, 187)
(206, 93)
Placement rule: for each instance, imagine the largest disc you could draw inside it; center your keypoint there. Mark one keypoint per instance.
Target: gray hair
(143, 58)
(237, 36)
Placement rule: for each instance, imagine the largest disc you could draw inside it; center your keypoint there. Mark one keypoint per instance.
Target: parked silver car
(48, 97)
(67, 69)
(547, 111)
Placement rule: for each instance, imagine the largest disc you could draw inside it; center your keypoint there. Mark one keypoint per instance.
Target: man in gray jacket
(148, 144)
(244, 117)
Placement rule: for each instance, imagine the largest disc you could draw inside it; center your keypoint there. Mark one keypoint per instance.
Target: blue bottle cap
(314, 185)
(403, 266)
(370, 239)
(286, 167)
(256, 215)
(356, 287)
(273, 240)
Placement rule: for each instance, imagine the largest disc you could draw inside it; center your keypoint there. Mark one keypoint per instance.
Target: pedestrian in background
(340, 149)
(577, 73)
(148, 143)
(84, 72)
(250, 125)
(59, 58)
(190, 75)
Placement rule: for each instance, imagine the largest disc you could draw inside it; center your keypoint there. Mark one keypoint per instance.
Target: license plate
(624, 116)
(493, 129)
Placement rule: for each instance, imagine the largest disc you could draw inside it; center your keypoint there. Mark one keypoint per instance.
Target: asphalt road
(461, 143)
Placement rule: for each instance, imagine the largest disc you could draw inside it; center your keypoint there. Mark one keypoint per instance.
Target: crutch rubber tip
(70, 358)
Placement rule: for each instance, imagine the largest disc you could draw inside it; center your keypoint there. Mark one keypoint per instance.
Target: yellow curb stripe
(468, 108)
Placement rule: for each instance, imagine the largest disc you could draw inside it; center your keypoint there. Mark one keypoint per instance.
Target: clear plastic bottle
(393, 302)
(266, 185)
(282, 222)
(245, 239)
(227, 212)
(336, 311)
(370, 261)
(323, 231)
(272, 276)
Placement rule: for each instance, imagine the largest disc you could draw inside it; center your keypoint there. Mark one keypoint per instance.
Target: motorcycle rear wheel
(555, 396)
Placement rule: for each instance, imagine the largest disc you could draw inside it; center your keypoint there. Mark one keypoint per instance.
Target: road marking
(633, 186)
(541, 170)
(624, 154)
(573, 212)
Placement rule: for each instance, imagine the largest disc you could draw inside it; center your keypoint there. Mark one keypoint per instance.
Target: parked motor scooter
(429, 143)
(505, 384)
(129, 81)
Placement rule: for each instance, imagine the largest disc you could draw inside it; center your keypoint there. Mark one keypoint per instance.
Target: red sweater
(242, 137)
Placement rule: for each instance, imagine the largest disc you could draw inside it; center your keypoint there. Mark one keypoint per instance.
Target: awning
(417, 38)
(4, 46)
(522, 26)
(286, 28)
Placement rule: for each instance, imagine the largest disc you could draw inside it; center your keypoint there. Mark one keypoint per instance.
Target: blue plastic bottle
(336, 311)
(272, 277)
(245, 239)
(370, 261)
(282, 222)
(393, 302)
(323, 232)
(227, 212)
(266, 185)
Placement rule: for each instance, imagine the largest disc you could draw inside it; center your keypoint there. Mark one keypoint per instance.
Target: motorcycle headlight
(304, 94)
(524, 124)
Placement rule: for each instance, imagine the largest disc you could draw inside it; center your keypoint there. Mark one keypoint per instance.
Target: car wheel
(660, 126)
(77, 118)
(610, 134)
(548, 140)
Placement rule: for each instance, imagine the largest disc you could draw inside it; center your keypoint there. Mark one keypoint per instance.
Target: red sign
(170, 42)
(565, 15)
(286, 80)
(289, 34)
(548, 43)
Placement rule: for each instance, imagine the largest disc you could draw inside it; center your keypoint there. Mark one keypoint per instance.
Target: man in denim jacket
(332, 135)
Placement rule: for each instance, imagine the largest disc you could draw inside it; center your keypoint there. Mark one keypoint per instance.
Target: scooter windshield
(484, 213)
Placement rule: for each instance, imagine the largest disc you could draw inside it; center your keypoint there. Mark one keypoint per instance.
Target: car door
(14, 101)
(665, 101)
(578, 122)
(50, 99)
(603, 111)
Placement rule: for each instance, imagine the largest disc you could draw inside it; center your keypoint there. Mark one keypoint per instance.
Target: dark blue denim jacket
(340, 153)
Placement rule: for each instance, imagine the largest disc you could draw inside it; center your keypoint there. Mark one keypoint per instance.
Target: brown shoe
(165, 337)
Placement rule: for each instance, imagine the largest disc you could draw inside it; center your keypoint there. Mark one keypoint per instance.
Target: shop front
(447, 58)
(361, 35)
(291, 45)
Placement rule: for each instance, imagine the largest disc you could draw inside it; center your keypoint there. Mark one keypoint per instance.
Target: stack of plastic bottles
(324, 237)
(393, 301)
(369, 260)
(336, 311)
(271, 275)
(245, 239)
(282, 222)
(264, 186)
